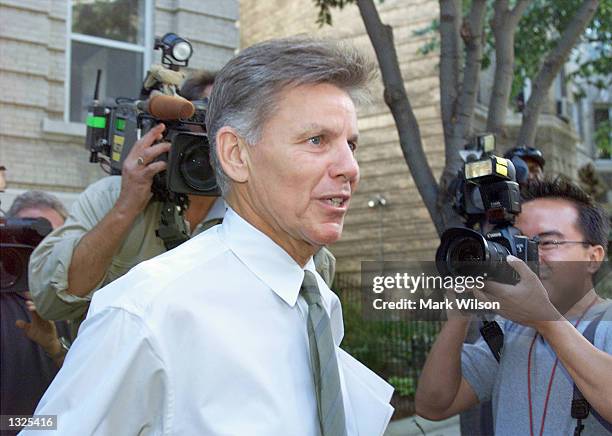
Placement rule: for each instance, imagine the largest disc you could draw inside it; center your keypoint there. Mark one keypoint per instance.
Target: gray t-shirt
(505, 384)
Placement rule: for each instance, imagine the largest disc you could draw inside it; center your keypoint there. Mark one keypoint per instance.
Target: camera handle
(172, 228)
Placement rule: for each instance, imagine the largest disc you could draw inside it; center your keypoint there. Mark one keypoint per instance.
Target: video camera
(112, 129)
(486, 189)
(18, 238)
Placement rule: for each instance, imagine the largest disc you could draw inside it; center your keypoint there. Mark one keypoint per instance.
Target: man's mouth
(337, 201)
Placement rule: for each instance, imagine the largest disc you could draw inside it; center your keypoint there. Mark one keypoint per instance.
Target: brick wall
(39, 150)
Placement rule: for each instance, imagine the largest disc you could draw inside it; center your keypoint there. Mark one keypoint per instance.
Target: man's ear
(596, 256)
(231, 150)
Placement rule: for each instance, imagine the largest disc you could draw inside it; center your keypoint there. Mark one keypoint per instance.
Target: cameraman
(111, 228)
(531, 388)
(27, 369)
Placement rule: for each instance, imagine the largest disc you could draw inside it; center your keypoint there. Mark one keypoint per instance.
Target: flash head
(176, 51)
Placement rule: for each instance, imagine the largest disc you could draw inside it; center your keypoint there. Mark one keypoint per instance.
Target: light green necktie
(324, 363)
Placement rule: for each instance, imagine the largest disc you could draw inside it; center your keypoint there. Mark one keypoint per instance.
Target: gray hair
(37, 199)
(246, 89)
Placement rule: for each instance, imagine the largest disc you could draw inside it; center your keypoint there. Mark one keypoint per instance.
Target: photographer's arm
(527, 303)
(94, 252)
(442, 391)
(589, 367)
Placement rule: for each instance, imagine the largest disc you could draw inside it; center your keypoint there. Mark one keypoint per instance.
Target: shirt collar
(264, 258)
(217, 211)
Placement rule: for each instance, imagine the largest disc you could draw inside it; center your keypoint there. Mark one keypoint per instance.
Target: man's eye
(352, 146)
(315, 140)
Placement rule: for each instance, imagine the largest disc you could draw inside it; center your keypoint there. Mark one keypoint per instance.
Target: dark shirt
(25, 370)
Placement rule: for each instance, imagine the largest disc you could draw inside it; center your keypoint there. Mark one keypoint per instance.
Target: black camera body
(113, 128)
(489, 184)
(18, 238)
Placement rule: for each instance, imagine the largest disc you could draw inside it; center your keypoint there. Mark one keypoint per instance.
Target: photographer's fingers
(21, 324)
(155, 134)
(154, 168)
(520, 267)
(150, 154)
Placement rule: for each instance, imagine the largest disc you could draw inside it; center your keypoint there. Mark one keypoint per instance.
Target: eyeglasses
(551, 244)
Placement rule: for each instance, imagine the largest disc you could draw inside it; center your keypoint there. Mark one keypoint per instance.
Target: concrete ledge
(58, 127)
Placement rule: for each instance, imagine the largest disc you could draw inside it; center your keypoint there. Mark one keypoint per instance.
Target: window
(110, 35)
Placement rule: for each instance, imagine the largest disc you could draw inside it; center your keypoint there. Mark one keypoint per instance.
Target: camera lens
(466, 250)
(462, 252)
(195, 168)
(465, 256)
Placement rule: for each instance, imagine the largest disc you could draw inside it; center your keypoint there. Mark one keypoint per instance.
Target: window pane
(121, 75)
(121, 20)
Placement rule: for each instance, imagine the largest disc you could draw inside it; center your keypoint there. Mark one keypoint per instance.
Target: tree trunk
(472, 34)
(396, 98)
(504, 27)
(450, 23)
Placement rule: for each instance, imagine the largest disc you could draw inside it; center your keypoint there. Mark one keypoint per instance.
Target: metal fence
(394, 349)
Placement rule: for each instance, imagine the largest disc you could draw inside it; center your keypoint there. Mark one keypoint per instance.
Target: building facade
(50, 53)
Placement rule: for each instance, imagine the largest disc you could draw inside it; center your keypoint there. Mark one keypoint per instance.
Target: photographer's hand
(94, 253)
(138, 171)
(526, 302)
(42, 332)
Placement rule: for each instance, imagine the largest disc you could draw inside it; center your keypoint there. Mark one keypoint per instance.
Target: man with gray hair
(234, 332)
(38, 204)
(31, 348)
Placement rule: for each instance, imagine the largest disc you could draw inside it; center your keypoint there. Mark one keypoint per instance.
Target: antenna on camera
(97, 87)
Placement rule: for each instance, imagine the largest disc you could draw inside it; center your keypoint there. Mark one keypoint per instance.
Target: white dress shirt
(206, 339)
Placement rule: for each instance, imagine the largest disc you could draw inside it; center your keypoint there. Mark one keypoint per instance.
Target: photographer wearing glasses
(554, 375)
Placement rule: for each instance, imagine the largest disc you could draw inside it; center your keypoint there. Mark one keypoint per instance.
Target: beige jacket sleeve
(325, 264)
(50, 261)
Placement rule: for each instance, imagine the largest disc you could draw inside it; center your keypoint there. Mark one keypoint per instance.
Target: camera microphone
(167, 107)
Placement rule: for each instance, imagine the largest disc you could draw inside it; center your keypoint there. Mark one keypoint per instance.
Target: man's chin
(327, 234)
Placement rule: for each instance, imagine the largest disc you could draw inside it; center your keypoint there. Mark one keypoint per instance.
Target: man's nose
(345, 165)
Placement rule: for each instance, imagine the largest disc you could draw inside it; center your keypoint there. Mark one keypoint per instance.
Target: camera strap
(172, 228)
(580, 406)
(494, 337)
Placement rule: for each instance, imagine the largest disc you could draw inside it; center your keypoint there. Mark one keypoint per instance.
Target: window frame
(146, 49)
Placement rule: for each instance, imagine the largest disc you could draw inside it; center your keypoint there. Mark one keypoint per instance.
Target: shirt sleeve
(113, 380)
(603, 334)
(479, 367)
(50, 261)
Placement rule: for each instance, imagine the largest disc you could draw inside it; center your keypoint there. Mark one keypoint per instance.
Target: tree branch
(518, 10)
(472, 34)
(396, 98)
(504, 27)
(550, 68)
(450, 21)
